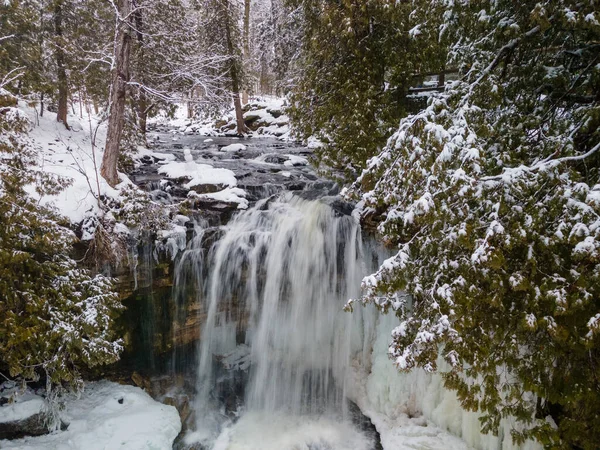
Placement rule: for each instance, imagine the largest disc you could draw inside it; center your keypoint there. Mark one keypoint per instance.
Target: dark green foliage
(359, 59)
(55, 317)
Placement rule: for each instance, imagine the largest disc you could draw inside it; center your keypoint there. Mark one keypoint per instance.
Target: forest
(300, 224)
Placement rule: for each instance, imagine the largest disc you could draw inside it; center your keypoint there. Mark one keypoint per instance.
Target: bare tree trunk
(63, 89)
(264, 81)
(42, 104)
(118, 91)
(190, 105)
(246, 42)
(234, 70)
(80, 103)
(142, 101)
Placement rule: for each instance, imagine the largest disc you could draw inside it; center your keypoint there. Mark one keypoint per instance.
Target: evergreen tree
(491, 195)
(358, 61)
(22, 57)
(55, 317)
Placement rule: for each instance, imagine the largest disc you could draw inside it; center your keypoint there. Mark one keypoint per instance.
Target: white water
(276, 282)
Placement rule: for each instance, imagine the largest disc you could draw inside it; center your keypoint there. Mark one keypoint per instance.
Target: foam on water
(265, 431)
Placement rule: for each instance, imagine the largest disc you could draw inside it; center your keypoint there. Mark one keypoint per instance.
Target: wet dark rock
(341, 207)
(207, 188)
(295, 186)
(310, 176)
(35, 425)
(147, 159)
(276, 159)
(364, 424)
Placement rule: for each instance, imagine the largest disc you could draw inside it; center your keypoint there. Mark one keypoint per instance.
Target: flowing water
(275, 345)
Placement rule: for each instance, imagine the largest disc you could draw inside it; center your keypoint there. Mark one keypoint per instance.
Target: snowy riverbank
(106, 416)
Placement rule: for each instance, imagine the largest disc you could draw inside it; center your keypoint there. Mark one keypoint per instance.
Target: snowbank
(233, 148)
(110, 416)
(69, 154)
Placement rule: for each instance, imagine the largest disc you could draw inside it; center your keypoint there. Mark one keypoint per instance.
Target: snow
(162, 157)
(173, 240)
(287, 433)
(261, 109)
(233, 148)
(228, 195)
(295, 160)
(198, 174)
(68, 153)
(22, 406)
(109, 416)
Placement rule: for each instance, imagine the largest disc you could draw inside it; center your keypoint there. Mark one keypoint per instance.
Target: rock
(251, 116)
(140, 381)
(181, 403)
(275, 112)
(228, 127)
(341, 207)
(31, 426)
(275, 159)
(207, 188)
(147, 159)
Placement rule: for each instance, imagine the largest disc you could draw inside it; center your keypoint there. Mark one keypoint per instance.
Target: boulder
(35, 425)
(275, 112)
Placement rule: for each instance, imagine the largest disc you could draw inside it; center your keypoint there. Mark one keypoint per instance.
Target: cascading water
(273, 285)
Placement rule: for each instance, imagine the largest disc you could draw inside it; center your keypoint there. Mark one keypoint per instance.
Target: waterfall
(272, 284)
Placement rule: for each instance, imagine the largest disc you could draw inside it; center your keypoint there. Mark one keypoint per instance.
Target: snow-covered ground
(106, 416)
(266, 114)
(69, 153)
(21, 406)
(75, 154)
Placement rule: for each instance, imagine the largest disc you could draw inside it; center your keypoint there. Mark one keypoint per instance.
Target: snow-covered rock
(229, 195)
(233, 148)
(109, 416)
(21, 414)
(198, 174)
